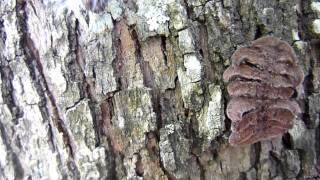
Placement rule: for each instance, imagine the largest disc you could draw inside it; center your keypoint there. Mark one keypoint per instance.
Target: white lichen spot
(178, 15)
(155, 18)
(24, 91)
(87, 161)
(114, 7)
(139, 113)
(154, 13)
(75, 7)
(32, 135)
(298, 130)
(212, 122)
(10, 27)
(166, 151)
(38, 32)
(1, 99)
(300, 45)
(295, 35)
(57, 79)
(169, 128)
(130, 164)
(315, 6)
(190, 84)
(53, 172)
(91, 163)
(193, 67)
(167, 155)
(186, 42)
(268, 11)
(8, 168)
(316, 26)
(121, 122)
(98, 153)
(80, 123)
(99, 23)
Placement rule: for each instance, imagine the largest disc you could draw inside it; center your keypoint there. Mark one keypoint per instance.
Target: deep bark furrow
(19, 172)
(34, 63)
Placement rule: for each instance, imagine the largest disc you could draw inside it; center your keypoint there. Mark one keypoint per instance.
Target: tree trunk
(133, 89)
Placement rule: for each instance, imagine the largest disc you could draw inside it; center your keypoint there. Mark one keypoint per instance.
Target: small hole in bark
(242, 176)
(308, 84)
(307, 121)
(287, 141)
(258, 32)
(295, 94)
(268, 21)
(201, 52)
(139, 167)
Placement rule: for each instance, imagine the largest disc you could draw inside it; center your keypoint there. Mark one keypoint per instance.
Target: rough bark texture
(134, 90)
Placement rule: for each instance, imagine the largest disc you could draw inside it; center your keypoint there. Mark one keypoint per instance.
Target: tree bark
(133, 89)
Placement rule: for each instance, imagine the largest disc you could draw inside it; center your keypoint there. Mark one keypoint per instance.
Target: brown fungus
(262, 80)
(258, 90)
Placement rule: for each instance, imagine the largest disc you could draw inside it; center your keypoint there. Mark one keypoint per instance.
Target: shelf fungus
(262, 80)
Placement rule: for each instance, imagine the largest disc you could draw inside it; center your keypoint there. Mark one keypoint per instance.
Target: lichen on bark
(134, 90)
